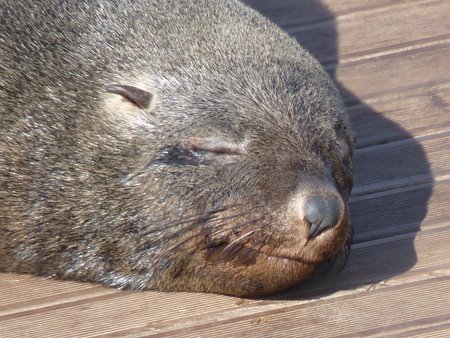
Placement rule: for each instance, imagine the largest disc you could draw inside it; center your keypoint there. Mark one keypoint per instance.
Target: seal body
(177, 145)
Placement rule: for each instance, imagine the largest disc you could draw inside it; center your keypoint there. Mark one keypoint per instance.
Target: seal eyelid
(178, 156)
(219, 147)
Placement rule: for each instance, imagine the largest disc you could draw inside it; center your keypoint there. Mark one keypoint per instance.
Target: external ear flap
(139, 97)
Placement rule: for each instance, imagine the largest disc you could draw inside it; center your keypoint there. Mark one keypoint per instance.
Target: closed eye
(219, 147)
(197, 154)
(176, 156)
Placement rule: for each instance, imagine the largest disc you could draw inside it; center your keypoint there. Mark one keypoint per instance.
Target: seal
(176, 145)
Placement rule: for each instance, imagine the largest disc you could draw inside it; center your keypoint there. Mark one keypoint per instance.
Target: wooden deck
(392, 61)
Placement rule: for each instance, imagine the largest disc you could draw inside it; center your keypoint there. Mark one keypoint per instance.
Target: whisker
(214, 224)
(235, 226)
(222, 221)
(215, 233)
(190, 238)
(203, 217)
(241, 237)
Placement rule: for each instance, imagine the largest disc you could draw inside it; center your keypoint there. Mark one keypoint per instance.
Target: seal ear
(138, 97)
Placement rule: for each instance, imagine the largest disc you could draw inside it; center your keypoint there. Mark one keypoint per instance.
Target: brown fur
(200, 191)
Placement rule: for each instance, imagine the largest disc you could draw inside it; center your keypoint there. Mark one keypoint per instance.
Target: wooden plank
(401, 163)
(378, 31)
(352, 29)
(357, 8)
(16, 288)
(384, 312)
(440, 328)
(109, 314)
(383, 263)
(411, 113)
(400, 211)
(288, 13)
(409, 69)
(389, 28)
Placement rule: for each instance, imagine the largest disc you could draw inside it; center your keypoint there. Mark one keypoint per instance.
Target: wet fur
(94, 189)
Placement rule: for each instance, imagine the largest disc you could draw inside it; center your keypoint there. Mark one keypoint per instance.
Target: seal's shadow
(402, 215)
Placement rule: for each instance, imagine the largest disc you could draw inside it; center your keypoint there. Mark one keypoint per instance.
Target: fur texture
(201, 192)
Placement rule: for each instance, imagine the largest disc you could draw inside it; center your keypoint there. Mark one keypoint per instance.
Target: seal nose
(322, 214)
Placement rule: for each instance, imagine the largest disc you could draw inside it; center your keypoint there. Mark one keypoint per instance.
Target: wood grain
(415, 112)
(363, 35)
(405, 70)
(399, 211)
(384, 312)
(292, 13)
(393, 164)
(110, 313)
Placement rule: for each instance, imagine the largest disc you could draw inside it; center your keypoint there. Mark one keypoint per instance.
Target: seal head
(141, 150)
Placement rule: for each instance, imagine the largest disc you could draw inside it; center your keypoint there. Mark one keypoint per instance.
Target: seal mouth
(245, 255)
(292, 258)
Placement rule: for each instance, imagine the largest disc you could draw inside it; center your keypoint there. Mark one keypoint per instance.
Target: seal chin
(272, 273)
(252, 273)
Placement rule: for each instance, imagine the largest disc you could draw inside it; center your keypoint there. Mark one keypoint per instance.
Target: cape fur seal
(176, 145)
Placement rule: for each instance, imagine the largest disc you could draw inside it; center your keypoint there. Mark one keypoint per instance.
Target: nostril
(322, 214)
